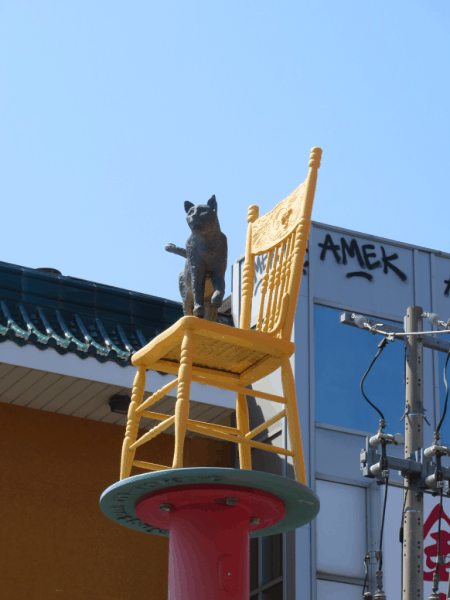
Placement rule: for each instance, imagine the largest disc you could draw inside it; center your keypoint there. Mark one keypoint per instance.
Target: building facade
(379, 278)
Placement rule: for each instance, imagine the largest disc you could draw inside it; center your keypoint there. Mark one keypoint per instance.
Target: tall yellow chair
(233, 358)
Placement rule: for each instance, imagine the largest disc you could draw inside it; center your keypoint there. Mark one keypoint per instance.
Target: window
(273, 593)
(266, 568)
(342, 355)
(445, 428)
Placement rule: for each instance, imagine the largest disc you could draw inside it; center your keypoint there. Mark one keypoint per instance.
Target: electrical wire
(446, 397)
(381, 347)
(386, 481)
(366, 569)
(439, 535)
(374, 329)
(419, 332)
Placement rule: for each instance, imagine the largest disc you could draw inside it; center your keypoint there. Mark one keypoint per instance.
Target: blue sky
(112, 114)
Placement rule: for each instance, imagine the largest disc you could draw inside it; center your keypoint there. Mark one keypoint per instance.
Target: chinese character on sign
(430, 540)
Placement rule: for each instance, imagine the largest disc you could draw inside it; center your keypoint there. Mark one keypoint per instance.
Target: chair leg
(293, 422)
(182, 405)
(242, 423)
(133, 423)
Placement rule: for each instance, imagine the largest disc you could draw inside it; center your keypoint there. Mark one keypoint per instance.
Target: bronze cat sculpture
(202, 281)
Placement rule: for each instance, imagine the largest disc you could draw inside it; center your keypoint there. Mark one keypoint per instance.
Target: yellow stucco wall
(55, 543)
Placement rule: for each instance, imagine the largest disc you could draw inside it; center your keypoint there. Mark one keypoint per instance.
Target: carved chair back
(282, 235)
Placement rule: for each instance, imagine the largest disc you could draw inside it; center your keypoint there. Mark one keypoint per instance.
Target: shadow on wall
(264, 461)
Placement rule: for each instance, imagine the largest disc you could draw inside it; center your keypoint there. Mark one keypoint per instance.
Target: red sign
(431, 549)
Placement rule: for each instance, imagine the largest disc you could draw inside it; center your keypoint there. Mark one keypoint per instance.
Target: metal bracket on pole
(420, 469)
(428, 341)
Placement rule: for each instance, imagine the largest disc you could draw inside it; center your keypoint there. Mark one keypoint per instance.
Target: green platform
(118, 502)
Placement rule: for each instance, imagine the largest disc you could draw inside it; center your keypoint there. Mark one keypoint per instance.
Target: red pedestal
(209, 543)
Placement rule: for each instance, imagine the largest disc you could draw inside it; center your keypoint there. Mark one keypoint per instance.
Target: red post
(209, 553)
(209, 543)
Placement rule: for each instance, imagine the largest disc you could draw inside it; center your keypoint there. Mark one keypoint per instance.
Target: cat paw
(199, 311)
(216, 300)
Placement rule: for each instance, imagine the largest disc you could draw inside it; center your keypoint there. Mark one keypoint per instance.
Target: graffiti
(360, 274)
(306, 264)
(364, 255)
(260, 267)
(367, 257)
(352, 251)
(329, 245)
(447, 289)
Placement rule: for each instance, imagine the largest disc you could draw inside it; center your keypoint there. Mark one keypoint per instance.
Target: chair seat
(219, 350)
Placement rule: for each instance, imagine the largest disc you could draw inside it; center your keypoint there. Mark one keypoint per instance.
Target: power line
(381, 347)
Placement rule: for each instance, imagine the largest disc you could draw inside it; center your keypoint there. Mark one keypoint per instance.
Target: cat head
(202, 217)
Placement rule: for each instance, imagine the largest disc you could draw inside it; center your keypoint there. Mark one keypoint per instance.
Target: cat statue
(202, 281)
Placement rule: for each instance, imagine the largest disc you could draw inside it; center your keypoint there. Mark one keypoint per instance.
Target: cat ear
(212, 202)
(188, 205)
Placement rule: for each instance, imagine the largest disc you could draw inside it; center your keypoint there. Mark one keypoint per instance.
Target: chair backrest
(281, 234)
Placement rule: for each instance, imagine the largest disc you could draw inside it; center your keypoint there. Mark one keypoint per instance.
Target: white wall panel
(341, 529)
(422, 280)
(330, 590)
(337, 454)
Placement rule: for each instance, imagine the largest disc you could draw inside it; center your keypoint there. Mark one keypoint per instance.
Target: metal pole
(413, 518)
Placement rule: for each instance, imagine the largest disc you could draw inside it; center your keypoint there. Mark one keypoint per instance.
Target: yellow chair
(233, 358)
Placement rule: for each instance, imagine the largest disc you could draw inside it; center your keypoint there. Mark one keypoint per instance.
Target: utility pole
(413, 500)
(421, 467)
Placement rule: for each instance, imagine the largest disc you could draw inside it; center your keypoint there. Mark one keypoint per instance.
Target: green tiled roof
(82, 317)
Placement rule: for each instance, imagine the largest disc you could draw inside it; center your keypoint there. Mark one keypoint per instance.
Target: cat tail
(176, 250)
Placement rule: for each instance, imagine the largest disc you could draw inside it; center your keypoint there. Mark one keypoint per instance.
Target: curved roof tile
(78, 316)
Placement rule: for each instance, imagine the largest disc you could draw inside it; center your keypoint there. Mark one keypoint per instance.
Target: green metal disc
(118, 502)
